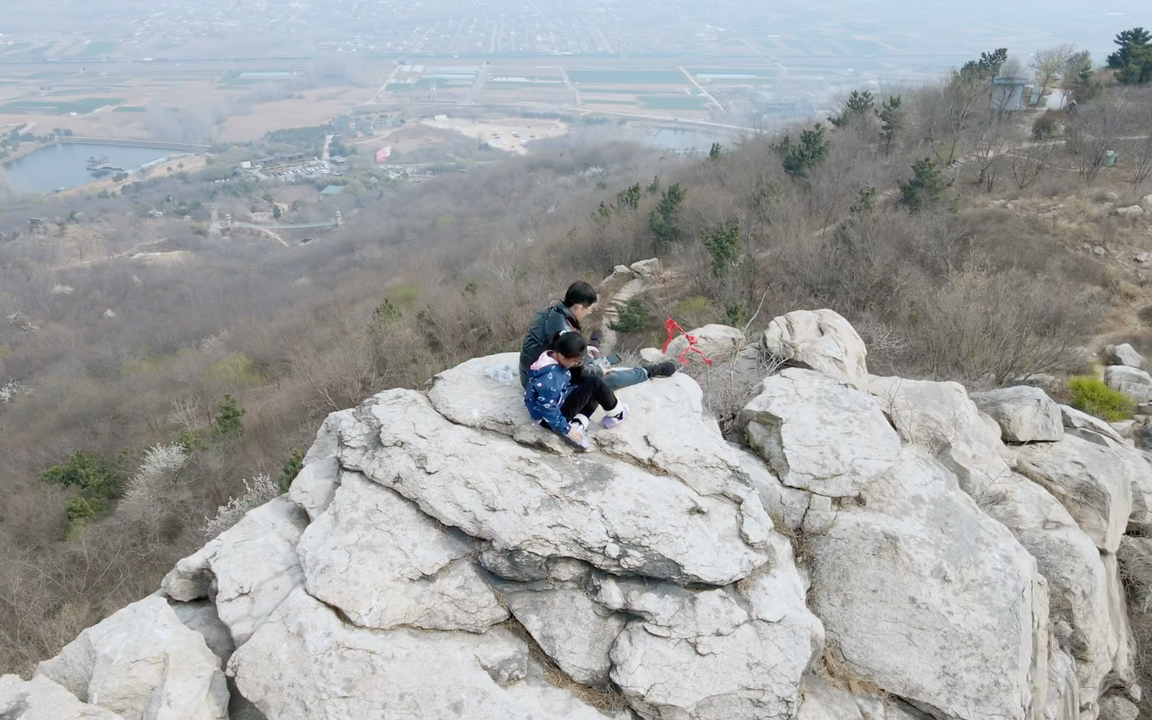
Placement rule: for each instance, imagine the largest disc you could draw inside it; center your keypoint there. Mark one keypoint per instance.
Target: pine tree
(891, 120)
(803, 157)
(858, 105)
(1133, 61)
(924, 188)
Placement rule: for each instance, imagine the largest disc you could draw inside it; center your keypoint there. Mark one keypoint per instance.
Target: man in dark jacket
(565, 316)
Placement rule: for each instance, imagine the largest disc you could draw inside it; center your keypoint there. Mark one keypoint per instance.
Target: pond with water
(65, 165)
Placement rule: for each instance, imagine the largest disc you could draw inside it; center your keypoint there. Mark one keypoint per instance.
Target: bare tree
(1095, 130)
(993, 140)
(1047, 64)
(1029, 160)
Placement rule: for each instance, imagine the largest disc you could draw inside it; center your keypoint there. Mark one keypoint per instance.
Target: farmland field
(627, 77)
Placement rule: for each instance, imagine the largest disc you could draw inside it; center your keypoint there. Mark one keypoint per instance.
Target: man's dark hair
(580, 293)
(570, 345)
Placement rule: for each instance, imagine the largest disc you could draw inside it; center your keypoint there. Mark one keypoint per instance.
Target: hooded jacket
(556, 318)
(549, 384)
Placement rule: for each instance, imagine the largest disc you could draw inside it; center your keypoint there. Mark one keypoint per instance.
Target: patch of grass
(1091, 395)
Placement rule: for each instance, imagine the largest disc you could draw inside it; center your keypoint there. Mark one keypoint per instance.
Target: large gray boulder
(821, 340)
(1124, 354)
(42, 699)
(819, 434)
(735, 652)
(572, 628)
(719, 343)
(482, 393)
(248, 569)
(1024, 414)
(931, 600)
(1133, 382)
(384, 563)
(592, 508)
(142, 662)
(1087, 426)
(1092, 482)
(305, 663)
(940, 418)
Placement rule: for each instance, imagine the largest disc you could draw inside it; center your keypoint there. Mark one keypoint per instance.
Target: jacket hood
(544, 361)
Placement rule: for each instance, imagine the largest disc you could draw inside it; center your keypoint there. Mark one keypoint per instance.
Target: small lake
(65, 165)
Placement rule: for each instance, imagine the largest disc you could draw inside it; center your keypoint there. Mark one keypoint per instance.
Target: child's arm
(547, 401)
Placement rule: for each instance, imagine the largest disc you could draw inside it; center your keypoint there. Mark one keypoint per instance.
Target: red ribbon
(673, 327)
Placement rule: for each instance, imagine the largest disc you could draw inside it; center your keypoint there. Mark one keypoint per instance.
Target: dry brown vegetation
(423, 276)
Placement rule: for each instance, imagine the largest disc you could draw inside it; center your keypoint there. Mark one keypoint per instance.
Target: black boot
(661, 369)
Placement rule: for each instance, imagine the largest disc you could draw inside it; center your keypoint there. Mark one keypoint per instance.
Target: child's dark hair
(580, 293)
(570, 345)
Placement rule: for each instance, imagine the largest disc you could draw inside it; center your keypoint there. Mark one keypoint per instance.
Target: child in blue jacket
(562, 405)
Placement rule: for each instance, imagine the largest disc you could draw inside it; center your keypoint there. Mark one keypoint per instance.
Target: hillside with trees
(151, 373)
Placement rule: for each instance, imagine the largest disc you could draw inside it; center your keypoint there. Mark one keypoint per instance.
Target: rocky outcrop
(718, 343)
(821, 340)
(819, 434)
(873, 550)
(1133, 382)
(1024, 414)
(142, 662)
(1124, 354)
(247, 570)
(42, 699)
(931, 599)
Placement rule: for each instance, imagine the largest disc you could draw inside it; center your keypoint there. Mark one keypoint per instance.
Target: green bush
(1092, 396)
(227, 423)
(91, 474)
(634, 317)
(694, 312)
(290, 470)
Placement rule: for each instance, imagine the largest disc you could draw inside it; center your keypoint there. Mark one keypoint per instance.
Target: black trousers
(590, 392)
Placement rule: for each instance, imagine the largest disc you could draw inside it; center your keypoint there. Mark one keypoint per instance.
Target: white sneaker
(616, 417)
(581, 421)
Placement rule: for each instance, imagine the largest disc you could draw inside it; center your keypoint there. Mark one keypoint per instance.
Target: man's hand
(593, 351)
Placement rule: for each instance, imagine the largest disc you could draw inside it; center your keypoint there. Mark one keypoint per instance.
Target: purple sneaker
(616, 417)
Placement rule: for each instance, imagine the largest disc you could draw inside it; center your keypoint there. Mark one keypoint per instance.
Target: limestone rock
(1133, 382)
(479, 394)
(1081, 421)
(328, 436)
(940, 418)
(1131, 211)
(932, 600)
(718, 343)
(304, 663)
(1024, 414)
(247, 570)
(571, 628)
(1118, 707)
(651, 354)
(645, 268)
(315, 485)
(201, 616)
(589, 507)
(1063, 702)
(667, 430)
(384, 563)
(142, 662)
(818, 434)
(1124, 354)
(821, 340)
(821, 701)
(735, 652)
(42, 699)
(1091, 481)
